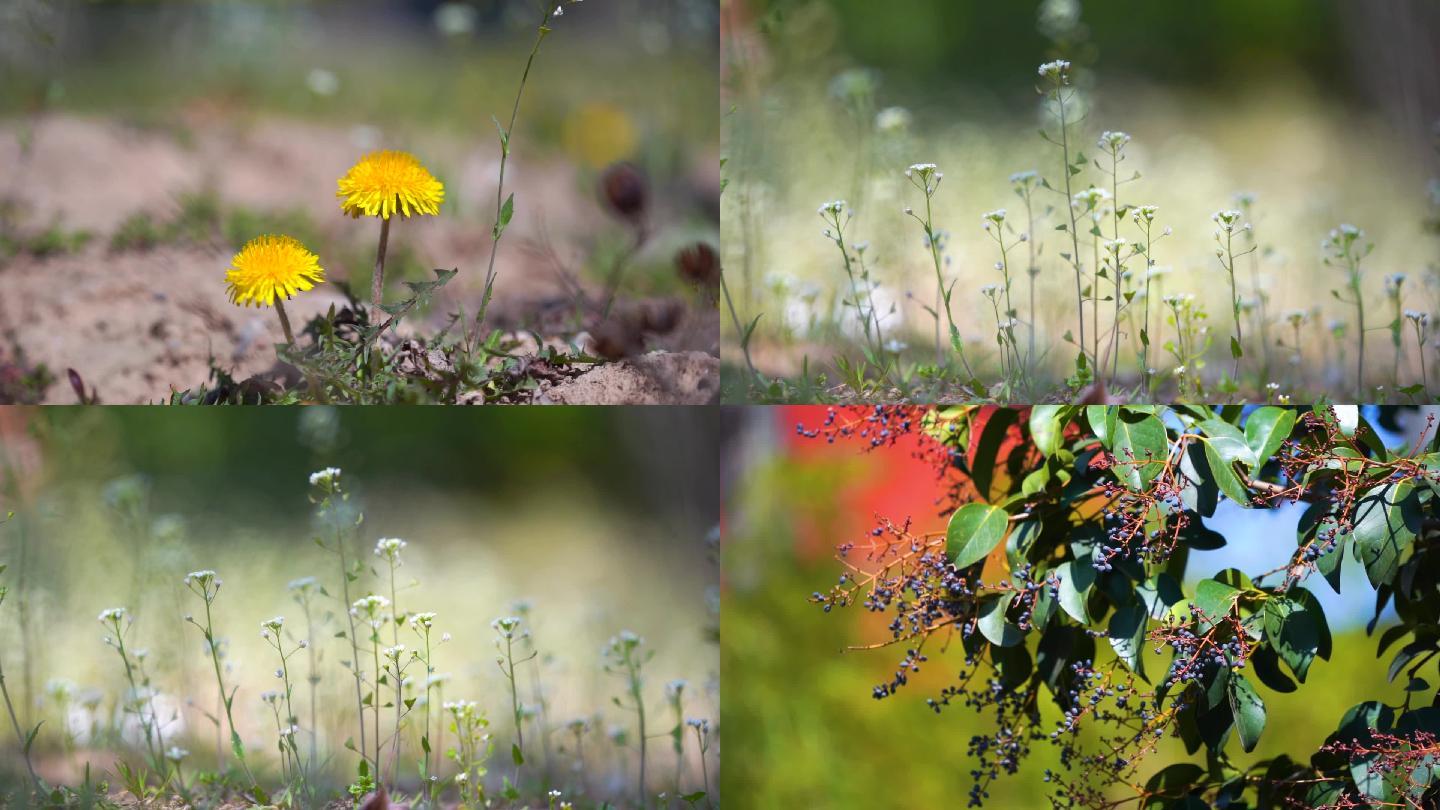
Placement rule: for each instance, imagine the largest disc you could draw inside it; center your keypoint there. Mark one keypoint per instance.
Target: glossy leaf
(975, 530)
(1139, 448)
(1386, 520)
(1248, 709)
(994, 626)
(1127, 635)
(1045, 428)
(1266, 428)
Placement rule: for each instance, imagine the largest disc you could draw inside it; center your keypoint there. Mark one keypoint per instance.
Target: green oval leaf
(1045, 428)
(1386, 520)
(1225, 477)
(975, 530)
(1139, 447)
(1248, 709)
(992, 623)
(1127, 636)
(1293, 633)
(1266, 428)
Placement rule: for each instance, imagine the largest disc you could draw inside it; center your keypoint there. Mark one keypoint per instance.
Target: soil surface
(139, 323)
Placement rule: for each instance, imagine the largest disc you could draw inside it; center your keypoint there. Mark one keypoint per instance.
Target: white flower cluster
(371, 609)
(1090, 199)
(462, 709)
(1226, 219)
(506, 626)
(422, 620)
(832, 209)
(1144, 214)
(925, 176)
(112, 615)
(992, 218)
(1057, 70)
(1113, 141)
(389, 548)
(325, 478)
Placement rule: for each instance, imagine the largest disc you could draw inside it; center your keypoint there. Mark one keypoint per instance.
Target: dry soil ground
(137, 324)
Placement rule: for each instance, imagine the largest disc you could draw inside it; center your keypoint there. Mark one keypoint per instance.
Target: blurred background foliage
(576, 510)
(934, 44)
(788, 502)
(418, 62)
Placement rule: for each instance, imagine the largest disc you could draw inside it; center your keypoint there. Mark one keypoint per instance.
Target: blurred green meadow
(566, 517)
(828, 742)
(1318, 113)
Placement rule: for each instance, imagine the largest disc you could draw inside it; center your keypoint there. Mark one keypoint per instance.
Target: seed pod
(624, 191)
(699, 264)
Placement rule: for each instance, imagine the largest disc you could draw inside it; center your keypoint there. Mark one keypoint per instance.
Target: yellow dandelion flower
(385, 182)
(271, 268)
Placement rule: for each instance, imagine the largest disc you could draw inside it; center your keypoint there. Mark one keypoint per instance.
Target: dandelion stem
(377, 281)
(500, 216)
(284, 321)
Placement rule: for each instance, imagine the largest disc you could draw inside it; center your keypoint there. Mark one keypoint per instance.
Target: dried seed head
(699, 264)
(625, 191)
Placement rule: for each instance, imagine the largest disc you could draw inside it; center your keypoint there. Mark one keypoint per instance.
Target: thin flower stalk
(206, 585)
(329, 487)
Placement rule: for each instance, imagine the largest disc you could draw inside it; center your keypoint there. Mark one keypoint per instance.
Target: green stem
(499, 228)
(284, 322)
(1074, 236)
(354, 643)
(377, 281)
(226, 699)
(19, 735)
